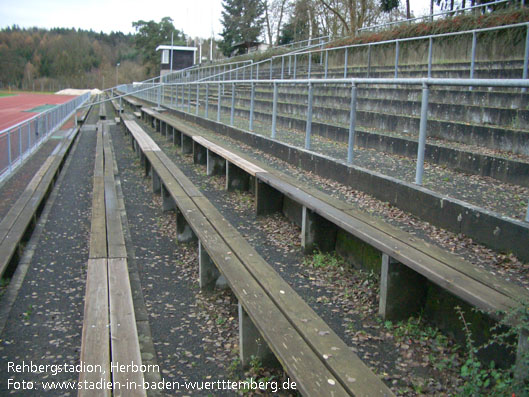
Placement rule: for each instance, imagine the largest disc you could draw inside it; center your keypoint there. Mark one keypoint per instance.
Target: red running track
(12, 108)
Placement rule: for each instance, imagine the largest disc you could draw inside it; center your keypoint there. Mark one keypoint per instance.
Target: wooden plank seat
(102, 111)
(16, 226)
(311, 353)
(109, 332)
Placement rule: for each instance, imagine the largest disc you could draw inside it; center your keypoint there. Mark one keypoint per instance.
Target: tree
(152, 34)
(352, 14)
(242, 21)
(274, 13)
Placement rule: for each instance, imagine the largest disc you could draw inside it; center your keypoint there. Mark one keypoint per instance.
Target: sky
(197, 18)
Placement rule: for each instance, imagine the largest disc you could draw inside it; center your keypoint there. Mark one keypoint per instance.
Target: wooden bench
(18, 223)
(269, 309)
(405, 259)
(102, 111)
(108, 296)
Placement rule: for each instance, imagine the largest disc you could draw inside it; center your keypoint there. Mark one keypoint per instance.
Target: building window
(165, 56)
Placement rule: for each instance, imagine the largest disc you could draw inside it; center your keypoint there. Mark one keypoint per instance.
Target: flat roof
(176, 47)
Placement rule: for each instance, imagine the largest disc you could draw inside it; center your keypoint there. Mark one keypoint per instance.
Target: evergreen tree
(243, 23)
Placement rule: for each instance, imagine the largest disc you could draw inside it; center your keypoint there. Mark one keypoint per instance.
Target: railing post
(159, 95)
(218, 105)
(527, 213)
(274, 112)
(430, 54)
(310, 64)
(422, 135)
(526, 57)
(345, 64)
(295, 65)
(289, 65)
(308, 129)
(252, 104)
(257, 72)
(352, 125)
(9, 150)
(282, 68)
(473, 59)
(198, 100)
(188, 97)
(397, 58)
(326, 62)
(232, 113)
(207, 100)
(271, 62)
(368, 60)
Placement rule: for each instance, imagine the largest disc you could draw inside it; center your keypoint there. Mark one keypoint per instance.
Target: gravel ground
(45, 322)
(346, 299)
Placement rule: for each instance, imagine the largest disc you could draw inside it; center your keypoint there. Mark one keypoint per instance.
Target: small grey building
(183, 57)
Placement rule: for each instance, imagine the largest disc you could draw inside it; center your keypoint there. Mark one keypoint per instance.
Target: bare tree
(274, 12)
(353, 14)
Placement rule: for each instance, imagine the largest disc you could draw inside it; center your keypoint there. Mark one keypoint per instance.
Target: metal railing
(20, 140)
(430, 17)
(186, 96)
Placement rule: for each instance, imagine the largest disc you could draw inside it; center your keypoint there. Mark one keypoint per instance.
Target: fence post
(310, 64)
(430, 54)
(159, 95)
(352, 125)
(422, 135)
(345, 64)
(218, 105)
(274, 111)
(252, 104)
(396, 59)
(188, 97)
(289, 65)
(20, 143)
(257, 72)
(526, 57)
(282, 67)
(295, 65)
(308, 130)
(207, 100)
(271, 62)
(232, 113)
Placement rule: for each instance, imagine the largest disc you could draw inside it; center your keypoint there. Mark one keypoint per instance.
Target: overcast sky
(196, 18)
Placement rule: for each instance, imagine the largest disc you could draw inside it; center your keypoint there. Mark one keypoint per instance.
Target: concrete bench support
(317, 232)
(207, 271)
(187, 144)
(184, 233)
(251, 343)
(236, 178)
(215, 164)
(200, 154)
(156, 183)
(267, 199)
(522, 368)
(168, 203)
(174, 138)
(402, 290)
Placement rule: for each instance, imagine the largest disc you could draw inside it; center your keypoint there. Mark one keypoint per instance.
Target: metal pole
(274, 112)
(252, 104)
(282, 67)
(430, 53)
(310, 63)
(257, 72)
(396, 59)
(207, 100)
(345, 64)
(20, 143)
(289, 64)
(9, 149)
(271, 62)
(352, 125)
(308, 130)
(218, 105)
(526, 57)
(368, 60)
(176, 96)
(189, 98)
(232, 114)
(198, 100)
(326, 62)
(295, 65)
(473, 59)
(422, 135)
(527, 214)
